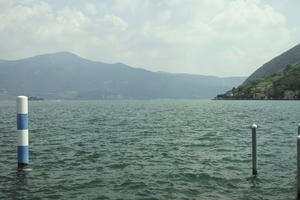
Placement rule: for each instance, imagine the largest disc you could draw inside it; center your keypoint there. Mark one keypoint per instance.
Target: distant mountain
(64, 75)
(277, 79)
(278, 63)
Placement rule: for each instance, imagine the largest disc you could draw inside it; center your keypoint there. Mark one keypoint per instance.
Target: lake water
(160, 149)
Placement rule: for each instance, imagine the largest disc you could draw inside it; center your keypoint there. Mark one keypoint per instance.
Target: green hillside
(285, 84)
(278, 63)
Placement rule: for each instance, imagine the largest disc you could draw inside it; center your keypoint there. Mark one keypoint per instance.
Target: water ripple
(151, 150)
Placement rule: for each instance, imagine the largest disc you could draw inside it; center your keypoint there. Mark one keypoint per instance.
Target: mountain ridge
(291, 56)
(64, 75)
(275, 80)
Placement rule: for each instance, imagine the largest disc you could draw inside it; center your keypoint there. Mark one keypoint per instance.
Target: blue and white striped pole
(22, 132)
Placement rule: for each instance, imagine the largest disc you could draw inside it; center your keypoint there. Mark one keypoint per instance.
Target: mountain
(64, 75)
(278, 63)
(283, 85)
(278, 79)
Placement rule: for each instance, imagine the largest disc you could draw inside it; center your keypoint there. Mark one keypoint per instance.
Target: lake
(158, 149)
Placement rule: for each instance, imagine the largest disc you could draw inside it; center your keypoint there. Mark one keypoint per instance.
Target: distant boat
(35, 99)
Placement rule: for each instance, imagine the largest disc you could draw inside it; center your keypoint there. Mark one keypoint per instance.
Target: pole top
(22, 104)
(298, 125)
(298, 137)
(254, 126)
(22, 97)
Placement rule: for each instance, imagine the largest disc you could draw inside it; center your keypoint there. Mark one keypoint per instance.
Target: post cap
(254, 126)
(299, 125)
(22, 105)
(22, 97)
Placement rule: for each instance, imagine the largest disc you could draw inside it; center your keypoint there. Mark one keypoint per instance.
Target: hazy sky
(211, 37)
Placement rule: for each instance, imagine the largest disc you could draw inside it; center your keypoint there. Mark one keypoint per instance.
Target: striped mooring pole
(22, 131)
(254, 159)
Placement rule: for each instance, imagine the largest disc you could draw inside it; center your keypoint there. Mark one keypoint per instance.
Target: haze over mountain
(64, 75)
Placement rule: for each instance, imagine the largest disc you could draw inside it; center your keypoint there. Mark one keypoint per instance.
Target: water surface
(160, 149)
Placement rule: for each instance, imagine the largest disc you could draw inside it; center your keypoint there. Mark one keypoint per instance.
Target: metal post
(299, 129)
(254, 159)
(298, 168)
(22, 131)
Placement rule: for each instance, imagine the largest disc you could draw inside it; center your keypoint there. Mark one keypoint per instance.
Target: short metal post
(298, 168)
(254, 159)
(299, 129)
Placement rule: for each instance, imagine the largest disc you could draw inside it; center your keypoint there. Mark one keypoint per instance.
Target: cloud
(219, 37)
(253, 28)
(166, 15)
(245, 18)
(116, 21)
(91, 8)
(33, 28)
(225, 37)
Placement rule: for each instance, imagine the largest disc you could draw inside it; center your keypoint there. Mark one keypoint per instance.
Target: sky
(209, 37)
